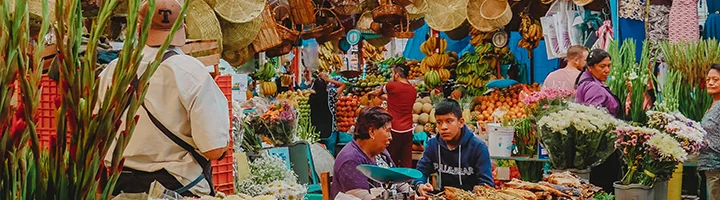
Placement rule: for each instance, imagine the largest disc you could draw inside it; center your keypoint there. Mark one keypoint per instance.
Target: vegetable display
(346, 112)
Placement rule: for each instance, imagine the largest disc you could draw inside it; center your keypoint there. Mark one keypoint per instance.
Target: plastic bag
(159, 192)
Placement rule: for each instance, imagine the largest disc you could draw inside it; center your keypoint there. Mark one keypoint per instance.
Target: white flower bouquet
(649, 155)
(578, 136)
(270, 176)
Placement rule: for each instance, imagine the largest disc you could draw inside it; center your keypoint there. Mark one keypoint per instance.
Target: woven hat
(212, 3)
(582, 2)
(239, 11)
(202, 23)
(365, 21)
(489, 15)
(238, 56)
(416, 9)
(445, 15)
(240, 34)
(35, 11)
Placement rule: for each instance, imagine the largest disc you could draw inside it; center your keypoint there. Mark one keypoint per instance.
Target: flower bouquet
(577, 136)
(649, 154)
(270, 176)
(548, 97)
(687, 132)
(278, 123)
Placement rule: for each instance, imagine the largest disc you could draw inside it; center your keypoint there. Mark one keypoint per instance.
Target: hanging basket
(445, 15)
(239, 11)
(476, 19)
(268, 37)
(240, 34)
(346, 7)
(401, 32)
(334, 34)
(460, 32)
(404, 3)
(317, 30)
(497, 13)
(388, 13)
(365, 21)
(288, 35)
(238, 56)
(283, 49)
(202, 23)
(302, 11)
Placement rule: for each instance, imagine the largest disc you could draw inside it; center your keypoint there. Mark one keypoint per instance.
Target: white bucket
(500, 140)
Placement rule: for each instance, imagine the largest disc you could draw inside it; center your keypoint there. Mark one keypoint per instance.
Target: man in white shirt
(183, 99)
(565, 78)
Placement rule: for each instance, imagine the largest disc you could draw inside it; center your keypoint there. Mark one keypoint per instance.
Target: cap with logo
(166, 13)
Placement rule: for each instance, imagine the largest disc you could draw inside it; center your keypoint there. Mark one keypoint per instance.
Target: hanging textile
(633, 29)
(683, 15)
(604, 35)
(632, 9)
(658, 29)
(712, 27)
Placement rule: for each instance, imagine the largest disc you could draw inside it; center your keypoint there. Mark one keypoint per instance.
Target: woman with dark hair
(322, 103)
(369, 146)
(592, 90)
(709, 159)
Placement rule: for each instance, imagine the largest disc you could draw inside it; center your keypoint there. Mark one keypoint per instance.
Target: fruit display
(268, 88)
(531, 33)
(434, 65)
(346, 112)
(386, 70)
(433, 46)
(372, 69)
(367, 84)
(286, 80)
(266, 73)
(299, 99)
(474, 71)
(329, 60)
(372, 53)
(506, 99)
(414, 69)
(423, 115)
(478, 38)
(420, 87)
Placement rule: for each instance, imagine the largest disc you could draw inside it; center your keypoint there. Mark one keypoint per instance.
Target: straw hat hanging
(212, 3)
(240, 34)
(489, 15)
(445, 15)
(416, 9)
(582, 2)
(35, 11)
(238, 56)
(239, 11)
(202, 23)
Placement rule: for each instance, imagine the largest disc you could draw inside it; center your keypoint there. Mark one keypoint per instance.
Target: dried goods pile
(555, 186)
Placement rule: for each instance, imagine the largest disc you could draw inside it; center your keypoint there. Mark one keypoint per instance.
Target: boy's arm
(484, 167)
(425, 164)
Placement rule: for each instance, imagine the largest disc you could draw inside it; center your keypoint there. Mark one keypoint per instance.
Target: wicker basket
(403, 3)
(288, 35)
(240, 34)
(202, 23)
(302, 11)
(239, 11)
(335, 34)
(317, 30)
(401, 32)
(279, 51)
(476, 19)
(388, 13)
(445, 15)
(268, 36)
(236, 57)
(346, 7)
(376, 27)
(497, 13)
(365, 21)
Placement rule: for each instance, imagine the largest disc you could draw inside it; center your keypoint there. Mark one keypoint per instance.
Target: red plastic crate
(46, 111)
(222, 170)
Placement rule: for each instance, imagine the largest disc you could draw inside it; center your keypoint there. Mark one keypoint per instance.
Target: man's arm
(210, 119)
(483, 167)
(425, 164)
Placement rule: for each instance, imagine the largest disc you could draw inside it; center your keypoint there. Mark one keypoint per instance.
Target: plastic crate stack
(222, 170)
(46, 125)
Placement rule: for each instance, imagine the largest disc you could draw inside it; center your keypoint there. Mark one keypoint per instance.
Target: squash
(426, 108)
(415, 118)
(417, 108)
(426, 100)
(432, 116)
(423, 119)
(419, 129)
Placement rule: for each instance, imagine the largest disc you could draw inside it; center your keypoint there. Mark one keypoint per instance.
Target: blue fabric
(411, 49)
(633, 29)
(420, 138)
(713, 6)
(464, 167)
(543, 65)
(504, 83)
(712, 26)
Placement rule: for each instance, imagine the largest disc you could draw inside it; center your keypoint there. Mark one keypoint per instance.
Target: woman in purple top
(369, 146)
(592, 90)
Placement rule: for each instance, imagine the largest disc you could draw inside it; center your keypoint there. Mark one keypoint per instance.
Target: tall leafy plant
(629, 80)
(692, 61)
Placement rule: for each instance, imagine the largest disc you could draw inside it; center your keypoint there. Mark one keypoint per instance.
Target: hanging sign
(353, 37)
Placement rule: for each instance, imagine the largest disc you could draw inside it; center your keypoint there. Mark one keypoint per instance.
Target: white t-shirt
(184, 98)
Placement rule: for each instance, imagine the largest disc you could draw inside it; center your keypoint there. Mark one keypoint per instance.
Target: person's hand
(423, 189)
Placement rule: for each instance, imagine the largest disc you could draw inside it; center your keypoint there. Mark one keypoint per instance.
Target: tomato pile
(347, 110)
(507, 98)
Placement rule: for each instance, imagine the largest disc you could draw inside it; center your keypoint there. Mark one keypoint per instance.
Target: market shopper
(183, 121)
(565, 78)
(401, 96)
(322, 103)
(592, 90)
(460, 158)
(307, 79)
(709, 159)
(369, 146)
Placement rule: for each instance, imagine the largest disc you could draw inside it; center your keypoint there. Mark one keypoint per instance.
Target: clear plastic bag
(159, 192)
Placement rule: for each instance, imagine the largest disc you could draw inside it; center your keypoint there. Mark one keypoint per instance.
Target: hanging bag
(561, 27)
(549, 31)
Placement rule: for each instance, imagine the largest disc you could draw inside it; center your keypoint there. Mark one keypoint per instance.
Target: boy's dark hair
(370, 118)
(448, 106)
(401, 70)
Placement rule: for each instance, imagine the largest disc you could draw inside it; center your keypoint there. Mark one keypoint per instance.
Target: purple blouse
(345, 175)
(591, 91)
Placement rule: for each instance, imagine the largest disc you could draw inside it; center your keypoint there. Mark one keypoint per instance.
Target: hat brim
(157, 37)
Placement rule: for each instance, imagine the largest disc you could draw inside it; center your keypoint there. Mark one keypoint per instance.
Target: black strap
(204, 163)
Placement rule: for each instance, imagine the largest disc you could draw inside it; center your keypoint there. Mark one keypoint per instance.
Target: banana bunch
(432, 79)
(435, 61)
(372, 53)
(286, 80)
(478, 38)
(296, 98)
(329, 60)
(444, 74)
(428, 47)
(531, 33)
(266, 73)
(268, 88)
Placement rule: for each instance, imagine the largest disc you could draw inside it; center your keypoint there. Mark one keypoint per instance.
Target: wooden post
(325, 185)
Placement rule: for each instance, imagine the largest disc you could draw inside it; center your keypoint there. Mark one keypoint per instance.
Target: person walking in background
(709, 159)
(592, 90)
(322, 104)
(565, 78)
(400, 99)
